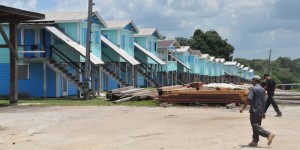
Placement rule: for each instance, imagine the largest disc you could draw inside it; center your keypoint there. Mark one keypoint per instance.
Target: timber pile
(186, 87)
(205, 96)
(197, 93)
(130, 93)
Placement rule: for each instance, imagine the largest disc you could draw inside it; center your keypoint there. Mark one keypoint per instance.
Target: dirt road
(141, 128)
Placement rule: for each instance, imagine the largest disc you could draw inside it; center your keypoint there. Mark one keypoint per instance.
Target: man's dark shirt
(256, 97)
(271, 86)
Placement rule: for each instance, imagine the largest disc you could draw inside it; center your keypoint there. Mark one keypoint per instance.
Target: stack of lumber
(186, 87)
(130, 93)
(192, 96)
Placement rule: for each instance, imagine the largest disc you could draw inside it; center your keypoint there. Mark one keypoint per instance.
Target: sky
(253, 27)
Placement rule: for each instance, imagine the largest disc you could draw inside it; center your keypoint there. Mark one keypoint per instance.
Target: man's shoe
(279, 115)
(270, 138)
(252, 144)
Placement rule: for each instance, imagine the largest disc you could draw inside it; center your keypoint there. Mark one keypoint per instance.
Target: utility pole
(88, 51)
(269, 65)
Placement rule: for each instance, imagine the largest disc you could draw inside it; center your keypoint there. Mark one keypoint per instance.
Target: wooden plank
(121, 89)
(123, 99)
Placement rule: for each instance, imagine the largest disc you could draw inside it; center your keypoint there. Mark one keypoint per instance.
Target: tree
(210, 43)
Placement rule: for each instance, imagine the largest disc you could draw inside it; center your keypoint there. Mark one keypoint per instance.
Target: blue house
(183, 64)
(146, 52)
(194, 61)
(120, 67)
(204, 68)
(51, 54)
(166, 52)
(222, 70)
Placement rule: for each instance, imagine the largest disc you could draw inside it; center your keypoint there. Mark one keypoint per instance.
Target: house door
(65, 82)
(29, 42)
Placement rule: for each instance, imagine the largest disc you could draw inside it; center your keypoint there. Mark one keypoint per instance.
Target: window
(97, 37)
(23, 72)
(84, 35)
(150, 46)
(123, 41)
(106, 35)
(131, 42)
(155, 46)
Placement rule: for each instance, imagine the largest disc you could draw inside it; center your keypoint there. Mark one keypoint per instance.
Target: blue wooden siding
(4, 78)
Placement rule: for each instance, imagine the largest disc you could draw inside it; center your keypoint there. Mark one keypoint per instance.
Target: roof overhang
(14, 15)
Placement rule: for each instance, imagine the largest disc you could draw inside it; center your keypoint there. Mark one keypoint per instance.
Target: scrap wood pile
(130, 93)
(189, 95)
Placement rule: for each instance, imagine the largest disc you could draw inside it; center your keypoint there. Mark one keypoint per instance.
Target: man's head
(266, 76)
(255, 79)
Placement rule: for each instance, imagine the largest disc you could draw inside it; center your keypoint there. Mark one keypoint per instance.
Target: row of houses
(52, 57)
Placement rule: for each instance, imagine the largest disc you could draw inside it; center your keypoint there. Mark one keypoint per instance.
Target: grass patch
(74, 102)
(298, 89)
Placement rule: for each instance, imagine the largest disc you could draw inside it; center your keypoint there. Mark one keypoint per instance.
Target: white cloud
(250, 26)
(21, 4)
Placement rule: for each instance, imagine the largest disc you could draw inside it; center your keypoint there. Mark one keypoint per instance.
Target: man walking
(270, 87)
(256, 98)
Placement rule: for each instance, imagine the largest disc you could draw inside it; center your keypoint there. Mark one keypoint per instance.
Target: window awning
(180, 62)
(120, 51)
(82, 50)
(149, 54)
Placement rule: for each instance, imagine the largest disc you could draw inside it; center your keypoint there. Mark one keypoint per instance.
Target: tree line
(283, 70)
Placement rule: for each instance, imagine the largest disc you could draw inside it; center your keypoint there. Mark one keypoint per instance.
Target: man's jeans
(271, 100)
(255, 121)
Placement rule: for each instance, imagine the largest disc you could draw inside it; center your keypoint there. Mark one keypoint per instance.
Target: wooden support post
(126, 72)
(78, 77)
(93, 79)
(45, 80)
(13, 63)
(100, 88)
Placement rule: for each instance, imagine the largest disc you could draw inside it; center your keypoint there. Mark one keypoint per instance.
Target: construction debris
(130, 93)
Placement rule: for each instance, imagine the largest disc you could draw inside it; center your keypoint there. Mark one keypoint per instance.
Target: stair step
(52, 62)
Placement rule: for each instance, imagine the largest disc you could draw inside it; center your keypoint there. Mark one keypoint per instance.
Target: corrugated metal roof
(120, 24)
(120, 51)
(195, 52)
(211, 58)
(70, 42)
(180, 62)
(204, 56)
(167, 43)
(148, 32)
(246, 68)
(228, 63)
(183, 49)
(58, 17)
(152, 56)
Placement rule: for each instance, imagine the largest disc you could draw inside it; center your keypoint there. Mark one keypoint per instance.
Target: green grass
(298, 89)
(70, 102)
